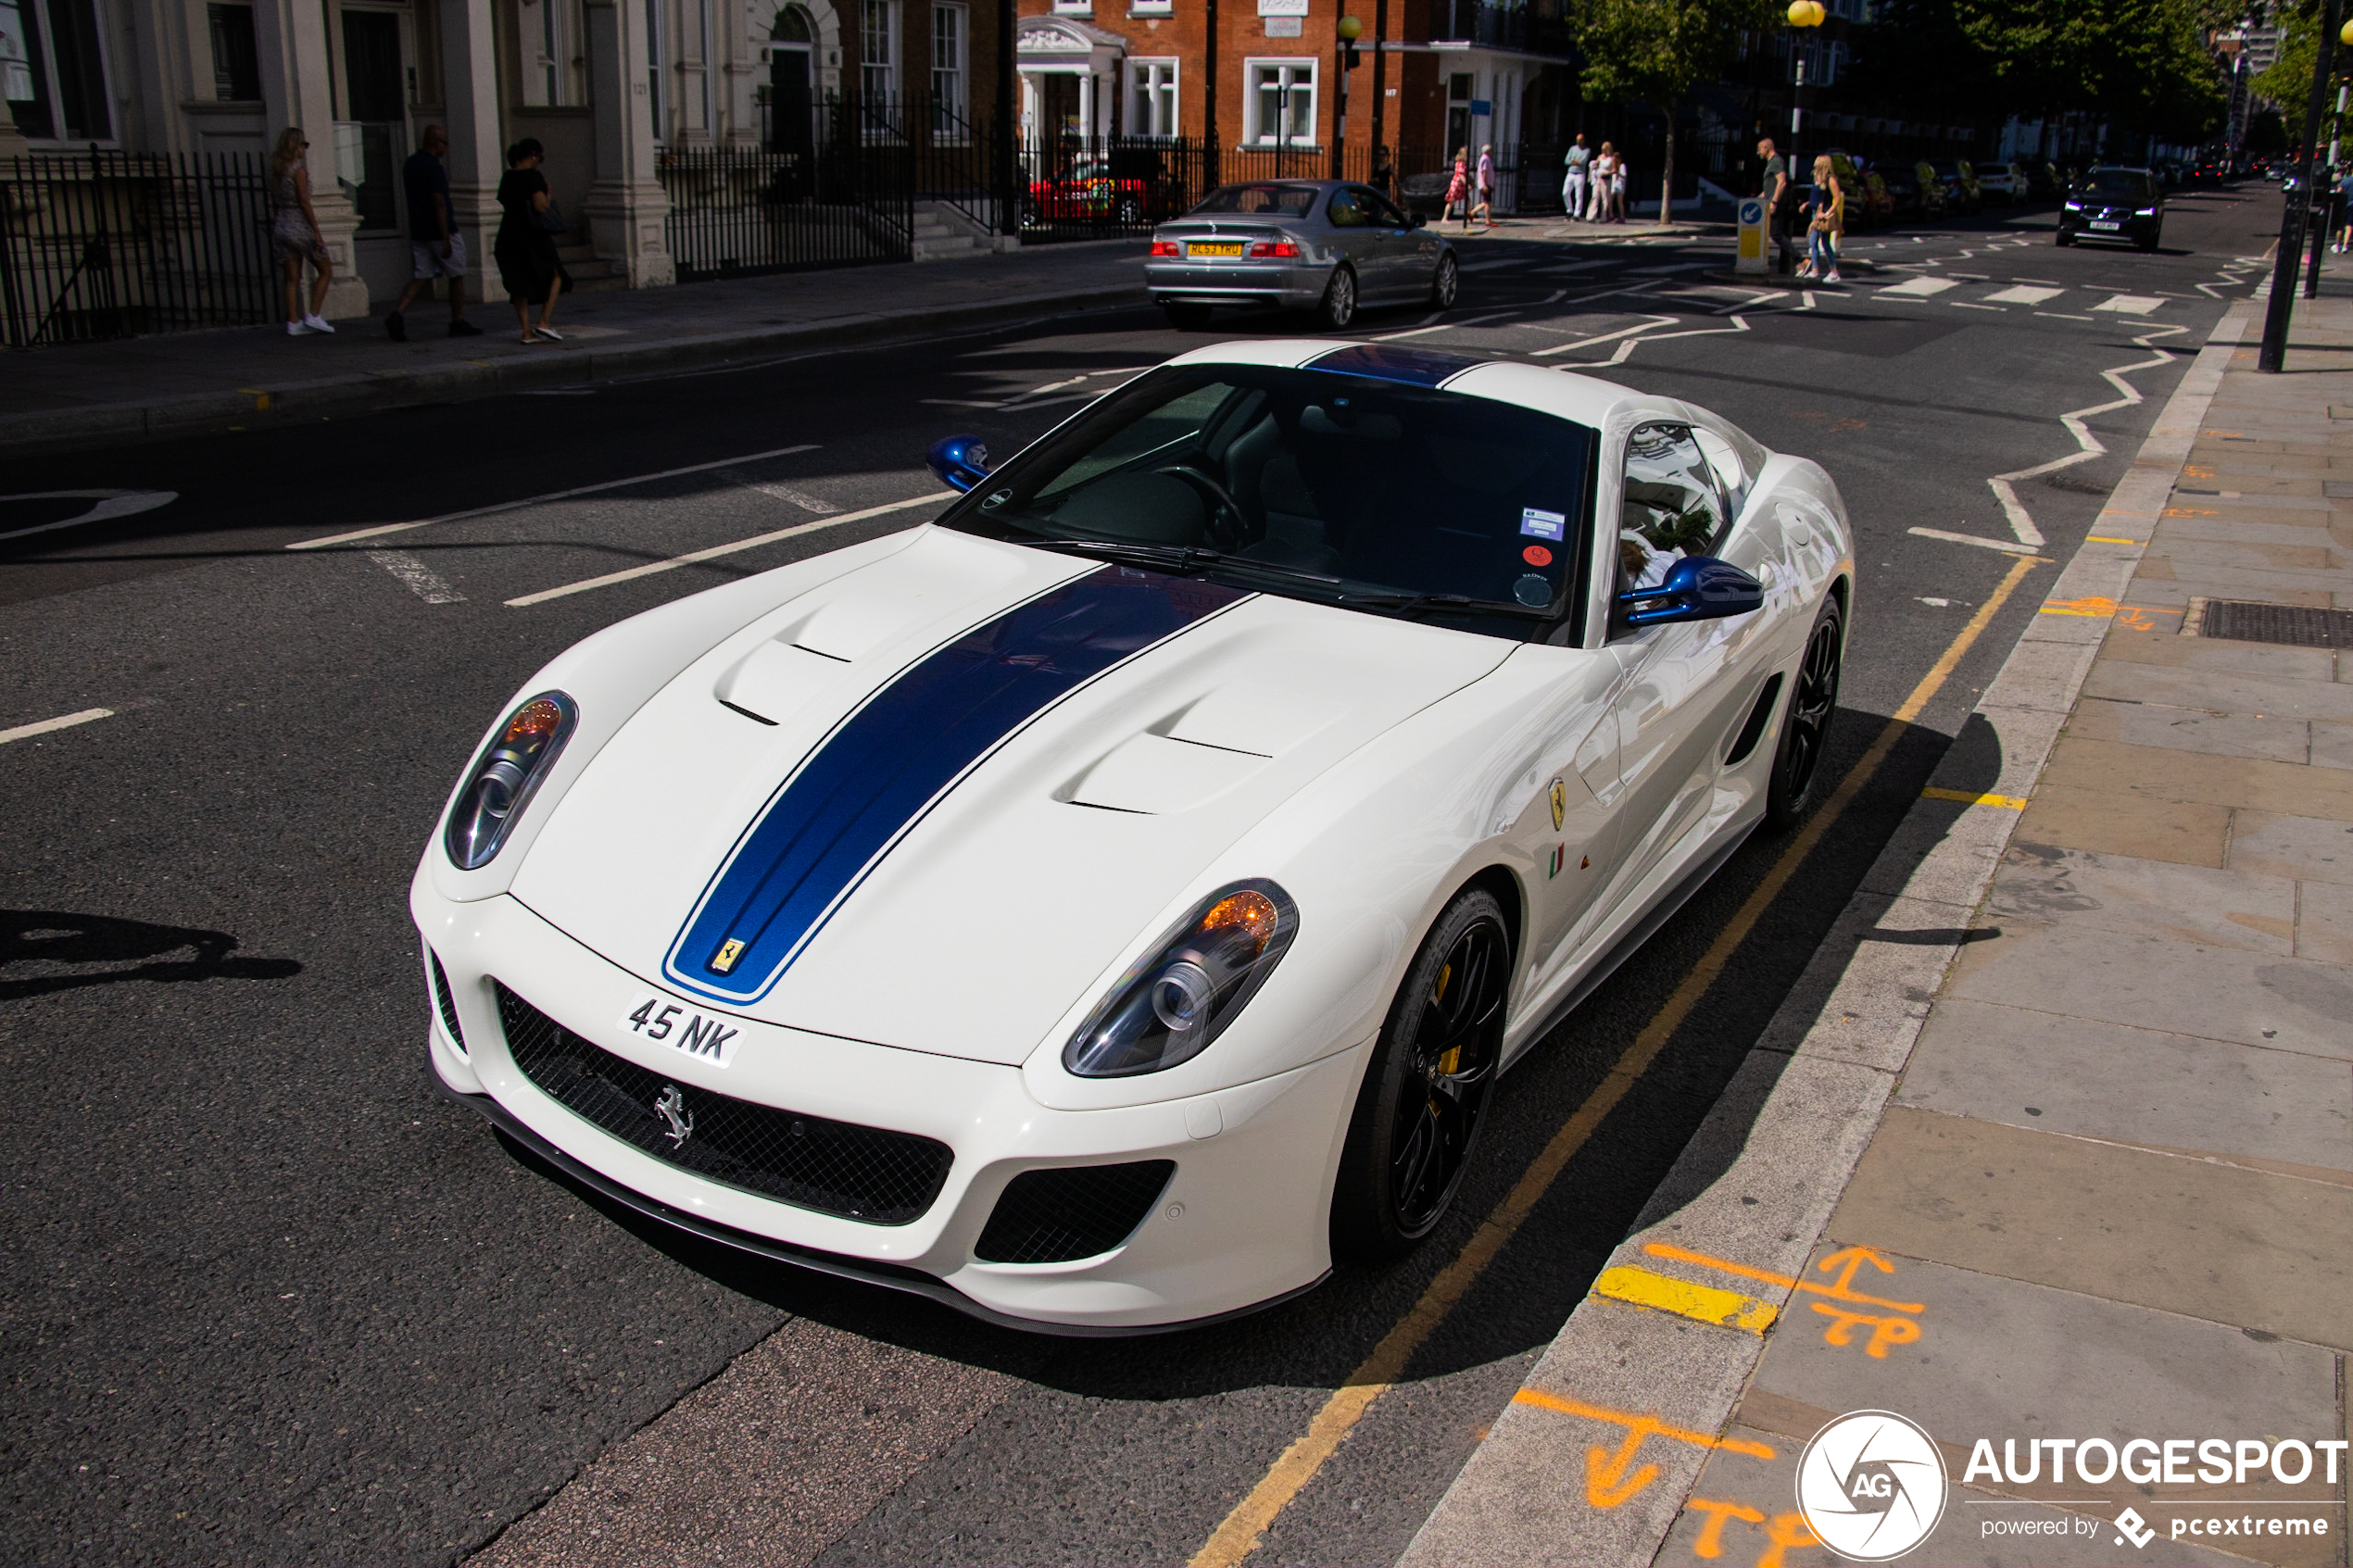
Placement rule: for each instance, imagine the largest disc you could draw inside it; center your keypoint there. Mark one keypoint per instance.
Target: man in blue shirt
(437, 249)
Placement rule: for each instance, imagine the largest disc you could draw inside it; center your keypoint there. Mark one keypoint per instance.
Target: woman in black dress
(525, 247)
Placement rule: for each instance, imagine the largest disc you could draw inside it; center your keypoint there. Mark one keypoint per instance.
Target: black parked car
(1913, 196)
(2114, 203)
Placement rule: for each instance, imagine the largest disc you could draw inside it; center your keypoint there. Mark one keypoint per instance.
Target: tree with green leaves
(2288, 83)
(1659, 51)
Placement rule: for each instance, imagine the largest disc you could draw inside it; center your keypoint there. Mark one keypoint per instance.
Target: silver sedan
(1325, 245)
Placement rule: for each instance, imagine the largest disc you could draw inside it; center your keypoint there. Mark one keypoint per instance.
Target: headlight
(1169, 1006)
(2145, 212)
(2074, 207)
(503, 777)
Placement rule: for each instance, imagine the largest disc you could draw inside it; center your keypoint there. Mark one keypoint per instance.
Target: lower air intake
(1078, 1211)
(447, 1003)
(883, 1178)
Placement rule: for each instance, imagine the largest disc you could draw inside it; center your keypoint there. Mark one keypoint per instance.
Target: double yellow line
(1244, 1528)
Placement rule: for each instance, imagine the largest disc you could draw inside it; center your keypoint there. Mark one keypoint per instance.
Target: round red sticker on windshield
(1536, 555)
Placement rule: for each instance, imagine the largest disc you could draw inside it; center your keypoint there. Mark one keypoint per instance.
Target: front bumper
(2132, 228)
(1203, 283)
(1241, 1223)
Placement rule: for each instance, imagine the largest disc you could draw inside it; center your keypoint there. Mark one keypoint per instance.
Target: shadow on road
(47, 950)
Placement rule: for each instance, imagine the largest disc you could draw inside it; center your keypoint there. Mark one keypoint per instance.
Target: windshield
(2126, 183)
(1334, 488)
(1284, 201)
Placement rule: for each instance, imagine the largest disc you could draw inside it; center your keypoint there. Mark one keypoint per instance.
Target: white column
(626, 207)
(469, 114)
(291, 37)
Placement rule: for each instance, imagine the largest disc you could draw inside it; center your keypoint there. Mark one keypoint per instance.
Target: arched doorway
(792, 74)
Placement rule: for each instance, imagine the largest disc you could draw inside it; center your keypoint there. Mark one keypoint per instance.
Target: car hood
(931, 802)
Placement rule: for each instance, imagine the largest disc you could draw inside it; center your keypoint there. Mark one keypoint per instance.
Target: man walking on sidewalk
(1781, 206)
(436, 247)
(1573, 179)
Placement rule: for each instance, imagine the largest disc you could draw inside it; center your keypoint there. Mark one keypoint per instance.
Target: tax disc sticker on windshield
(1543, 525)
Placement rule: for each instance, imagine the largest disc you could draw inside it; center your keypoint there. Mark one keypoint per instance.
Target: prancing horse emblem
(671, 1109)
(1560, 803)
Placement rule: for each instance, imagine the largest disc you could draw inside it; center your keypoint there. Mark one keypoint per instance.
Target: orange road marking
(1710, 1544)
(1606, 1480)
(1786, 1531)
(1844, 1262)
(1884, 1331)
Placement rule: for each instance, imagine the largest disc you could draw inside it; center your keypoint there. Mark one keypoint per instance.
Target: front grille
(448, 1004)
(1078, 1211)
(2302, 626)
(883, 1178)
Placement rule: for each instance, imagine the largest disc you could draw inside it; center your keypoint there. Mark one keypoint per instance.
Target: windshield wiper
(1182, 558)
(1410, 604)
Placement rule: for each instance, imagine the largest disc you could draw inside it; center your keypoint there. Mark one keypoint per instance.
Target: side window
(1669, 506)
(1344, 212)
(1379, 212)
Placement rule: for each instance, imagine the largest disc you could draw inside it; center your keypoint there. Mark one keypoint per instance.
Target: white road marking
(379, 532)
(1916, 288)
(1967, 305)
(801, 498)
(421, 580)
(2054, 283)
(2088, 445)
(2063, 316)
(1671, 269)
(1750, 303)
(110, 503)
(2023, 295)
(2002, 544)
(25, 732)
(715, 551)
(2129, 303)
(1642, 326)
(1445, 326)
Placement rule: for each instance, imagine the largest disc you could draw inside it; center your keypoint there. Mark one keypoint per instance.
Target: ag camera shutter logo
(1871, 1486)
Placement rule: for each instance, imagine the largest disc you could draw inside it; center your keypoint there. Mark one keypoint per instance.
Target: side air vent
(1754, 725)
(445, 1003)
(1078, 1211)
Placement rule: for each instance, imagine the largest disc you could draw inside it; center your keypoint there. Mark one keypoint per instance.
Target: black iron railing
(107, 244)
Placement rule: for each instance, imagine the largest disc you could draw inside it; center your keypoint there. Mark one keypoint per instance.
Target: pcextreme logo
(1871, 1486)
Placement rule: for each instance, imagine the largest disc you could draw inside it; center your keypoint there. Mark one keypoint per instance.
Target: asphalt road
(268, 1298)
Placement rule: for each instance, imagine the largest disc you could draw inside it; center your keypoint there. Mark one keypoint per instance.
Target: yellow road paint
(1971, 797)
(2108, 539)
(1702, 1304)
(2094, 605)
(1241, 1530)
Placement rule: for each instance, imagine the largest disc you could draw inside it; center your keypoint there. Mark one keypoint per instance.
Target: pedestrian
(294, 232)
(436, 248)
(1605, 166)
(1618, 191)
(1828, 223)
(1384, 173)
(2345, 212)
(1458, 188)
(1573, 172)
(1486, 185)
(1781, 199)
(526, 245)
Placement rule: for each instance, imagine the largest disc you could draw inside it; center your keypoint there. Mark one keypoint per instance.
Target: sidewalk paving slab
(2099, 1060)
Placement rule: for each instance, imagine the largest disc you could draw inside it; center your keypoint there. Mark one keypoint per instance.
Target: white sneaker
(317, 323)
(296, 329)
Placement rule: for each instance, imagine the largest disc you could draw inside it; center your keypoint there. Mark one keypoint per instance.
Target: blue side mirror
(1697, 588)
(961, 460)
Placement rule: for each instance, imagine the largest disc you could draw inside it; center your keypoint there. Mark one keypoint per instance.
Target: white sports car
(1101, 907)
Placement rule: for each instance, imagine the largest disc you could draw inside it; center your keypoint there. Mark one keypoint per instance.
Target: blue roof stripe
(1417, 367)
(884, 766)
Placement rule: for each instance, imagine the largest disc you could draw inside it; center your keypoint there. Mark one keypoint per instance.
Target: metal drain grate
(2246, 620)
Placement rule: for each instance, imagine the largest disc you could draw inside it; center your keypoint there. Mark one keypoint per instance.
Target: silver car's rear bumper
(1193, 283)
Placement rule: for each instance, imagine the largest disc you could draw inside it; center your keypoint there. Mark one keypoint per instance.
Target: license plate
(701, 1034)
(1214, 247)
(2097, 224)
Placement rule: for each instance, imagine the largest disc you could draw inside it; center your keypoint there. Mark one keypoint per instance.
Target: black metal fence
(106, 245)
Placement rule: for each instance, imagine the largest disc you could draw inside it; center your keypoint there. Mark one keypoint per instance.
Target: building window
(1151, 7)
(654, 102)
(555, 54)
(53, 71)
(878, 48)
(949, 30)
(236, 59)
(1152, 98)
(1280, 105)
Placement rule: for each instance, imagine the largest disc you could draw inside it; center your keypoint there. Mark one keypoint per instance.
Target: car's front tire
(1338, 307)
(1446, 286)
(1797, 760)
(2063, 238)
(1425, 1095)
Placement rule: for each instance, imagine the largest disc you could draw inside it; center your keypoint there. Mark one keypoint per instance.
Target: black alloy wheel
(1447, 285)
(1338, 308)
(1812, 698)
(1426, 1091)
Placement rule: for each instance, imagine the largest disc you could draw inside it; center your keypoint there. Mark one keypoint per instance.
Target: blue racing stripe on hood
(883, 768)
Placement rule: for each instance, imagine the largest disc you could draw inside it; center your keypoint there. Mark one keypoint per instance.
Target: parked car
(1873, 200)
(2005, 182)
(1915, 196)
(1325, 245)
(2114, 202)
(1962, 193)
(1130, 187)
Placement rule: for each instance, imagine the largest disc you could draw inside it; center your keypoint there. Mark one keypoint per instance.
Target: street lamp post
(2272, 356)
(1802, 13)
(1349, 29)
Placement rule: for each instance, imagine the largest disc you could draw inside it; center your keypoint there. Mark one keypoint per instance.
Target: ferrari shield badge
(733, 948)
(1560, 803)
